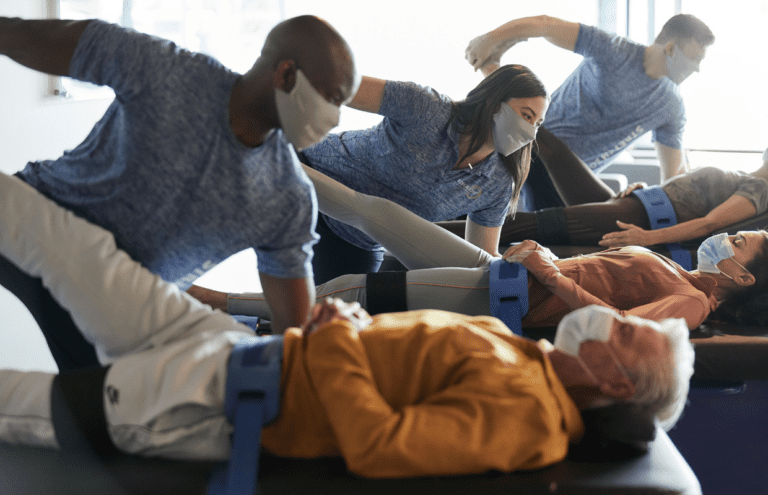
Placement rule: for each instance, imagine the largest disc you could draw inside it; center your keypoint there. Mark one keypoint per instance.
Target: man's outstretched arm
(484, 52)
(45, 45)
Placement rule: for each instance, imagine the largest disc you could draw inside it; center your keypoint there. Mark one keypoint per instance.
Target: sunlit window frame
(56, 88)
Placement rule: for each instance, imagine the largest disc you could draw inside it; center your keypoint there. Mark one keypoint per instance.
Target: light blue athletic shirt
(164, 172)
(408, 158)
(609, 101)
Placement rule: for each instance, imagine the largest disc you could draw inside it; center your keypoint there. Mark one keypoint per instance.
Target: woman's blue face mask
(712, 251)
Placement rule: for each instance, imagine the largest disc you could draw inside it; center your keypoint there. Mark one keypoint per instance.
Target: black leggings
(585, 224)
(573, 180)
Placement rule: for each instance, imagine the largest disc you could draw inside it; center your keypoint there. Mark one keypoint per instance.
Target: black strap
(77, 411)
(551, 229)
(385, 292)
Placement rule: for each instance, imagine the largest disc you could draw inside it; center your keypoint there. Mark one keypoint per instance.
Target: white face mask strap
(616, 361)
(587, 370)
(618, 364)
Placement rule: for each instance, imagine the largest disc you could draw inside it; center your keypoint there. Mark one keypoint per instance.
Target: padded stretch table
(31, 471)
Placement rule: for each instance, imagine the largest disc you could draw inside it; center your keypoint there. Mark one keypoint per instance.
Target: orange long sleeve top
(632, 280)
(422, 393)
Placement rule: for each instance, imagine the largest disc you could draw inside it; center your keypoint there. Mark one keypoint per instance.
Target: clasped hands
(538, 260)
(335, 309)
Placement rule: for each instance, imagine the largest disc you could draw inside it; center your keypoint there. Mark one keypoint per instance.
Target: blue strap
(252, 401)
(661, 214)
(509, 293)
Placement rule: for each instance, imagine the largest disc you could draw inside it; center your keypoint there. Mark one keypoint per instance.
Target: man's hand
(335, 309)
(213, 298)
(631, 235)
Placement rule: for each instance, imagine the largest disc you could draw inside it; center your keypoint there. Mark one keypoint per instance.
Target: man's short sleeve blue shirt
(609, 101)
(163, 170)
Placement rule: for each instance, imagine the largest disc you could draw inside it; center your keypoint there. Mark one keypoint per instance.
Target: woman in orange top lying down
(448, 273)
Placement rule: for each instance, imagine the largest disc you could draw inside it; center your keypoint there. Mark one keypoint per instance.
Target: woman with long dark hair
(437, 157)
(447, 272)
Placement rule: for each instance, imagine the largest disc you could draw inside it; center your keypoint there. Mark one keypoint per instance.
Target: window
(726, 103)
(233, 31)
(424, 40)
(726, 108)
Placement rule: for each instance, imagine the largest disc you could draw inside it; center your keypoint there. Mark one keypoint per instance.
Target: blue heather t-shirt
(609, 101)
(408, 158)
(163, 170)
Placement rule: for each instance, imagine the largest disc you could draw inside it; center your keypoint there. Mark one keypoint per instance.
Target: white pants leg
(416, 242)
(461, 290)
(118, 305)
(25, 408)
(164, 392)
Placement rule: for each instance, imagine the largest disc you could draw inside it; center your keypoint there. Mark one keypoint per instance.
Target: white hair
(662, 382)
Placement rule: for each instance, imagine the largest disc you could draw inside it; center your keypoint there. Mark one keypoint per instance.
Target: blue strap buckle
(661, 214)
(509, 293)
(252, 401)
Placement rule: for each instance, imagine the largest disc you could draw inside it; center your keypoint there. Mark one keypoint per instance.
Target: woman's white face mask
(510, 131)
(305, 116)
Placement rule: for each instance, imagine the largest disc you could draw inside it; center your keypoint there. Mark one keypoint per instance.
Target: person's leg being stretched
(117, 305)
(578, 225)
(168, 353)
(416, 242)
(575, 182)
(460, 290)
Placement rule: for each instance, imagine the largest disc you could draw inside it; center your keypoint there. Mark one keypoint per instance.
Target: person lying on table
(407, 394)
(446, 272)
(704, 201)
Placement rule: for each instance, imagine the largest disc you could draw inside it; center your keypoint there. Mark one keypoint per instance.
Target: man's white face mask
(590, 323)
(679, 67)
(305, 116)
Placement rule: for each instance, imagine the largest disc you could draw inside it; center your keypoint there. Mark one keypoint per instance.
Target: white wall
(36, 127)
(424, 40)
